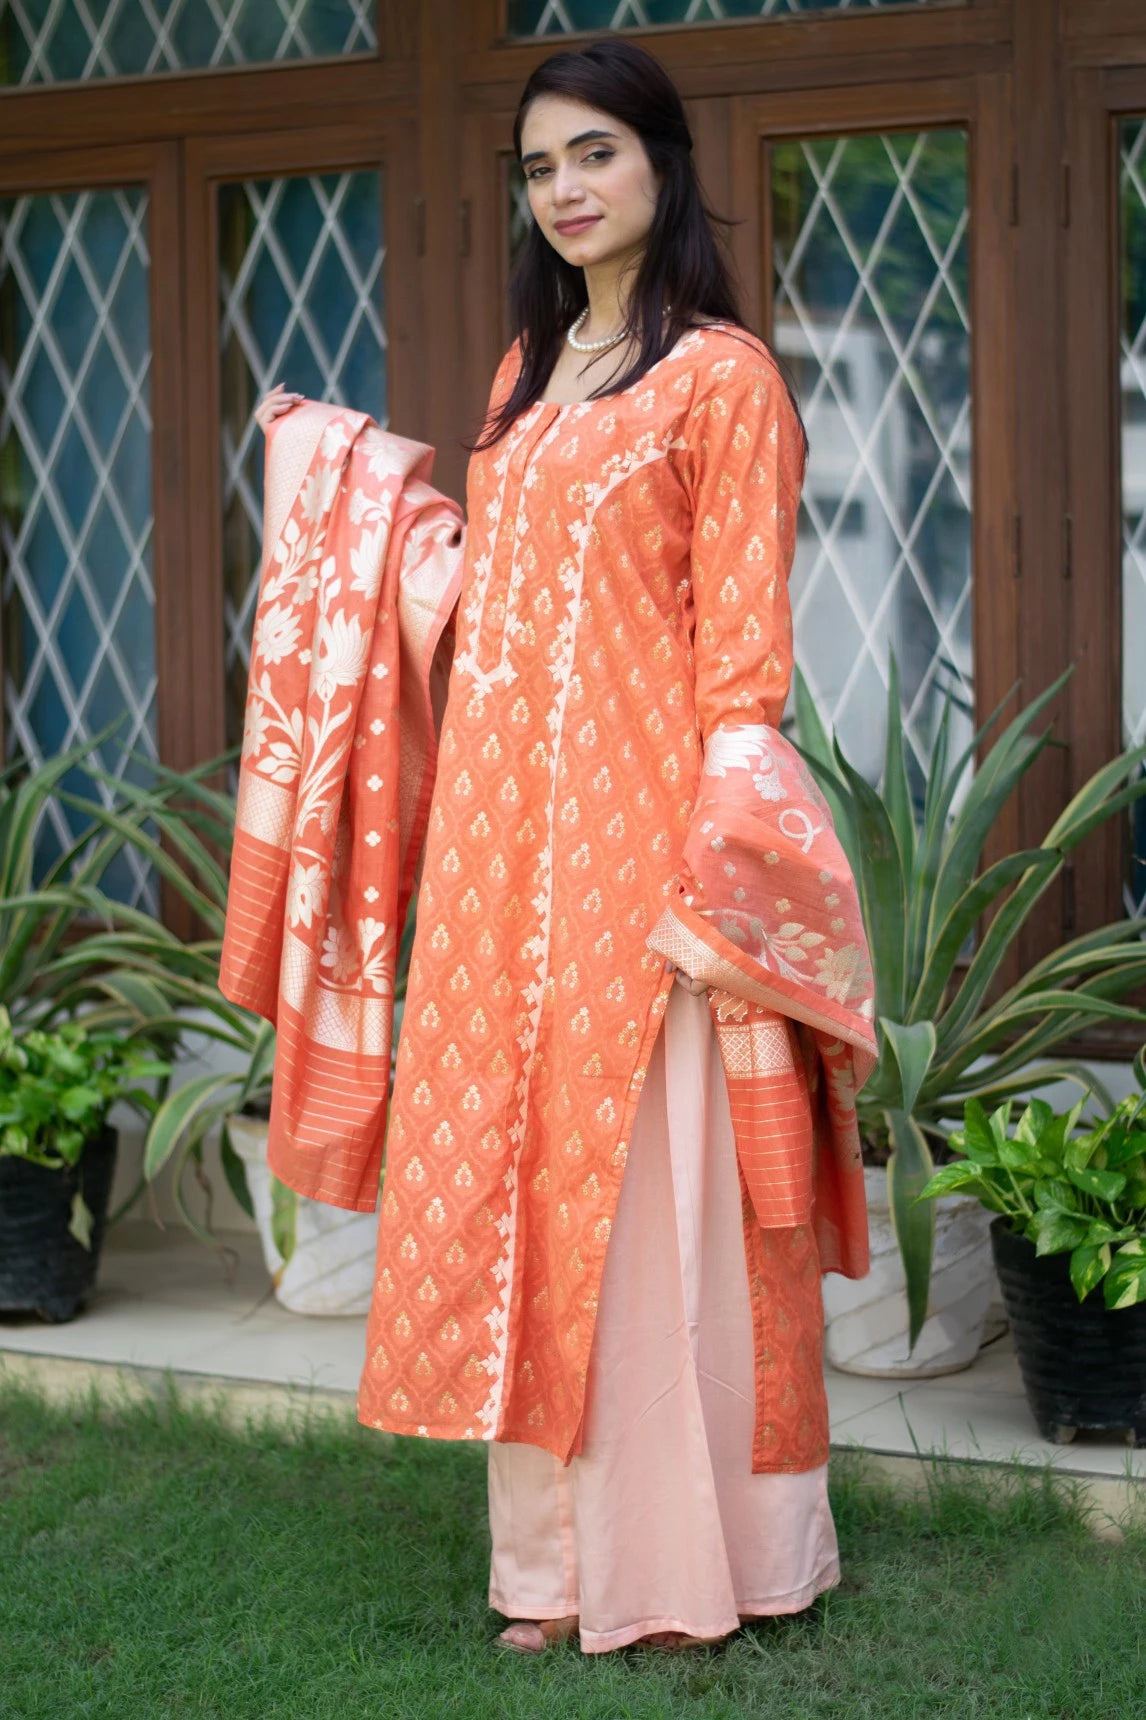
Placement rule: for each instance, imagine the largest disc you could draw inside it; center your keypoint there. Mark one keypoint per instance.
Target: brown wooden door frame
(368, 142)
(1098, 100)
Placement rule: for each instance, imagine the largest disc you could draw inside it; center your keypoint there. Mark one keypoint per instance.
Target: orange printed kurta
(624, 597)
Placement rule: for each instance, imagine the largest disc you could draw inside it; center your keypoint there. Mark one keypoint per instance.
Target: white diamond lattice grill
(301, 291)
(51, 41)
(520, 214)
(1132, 373)
(568, 17)
(870, 299)
(76, 520)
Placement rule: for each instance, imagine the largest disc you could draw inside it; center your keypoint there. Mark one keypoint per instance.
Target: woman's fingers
(273, 405)
(695, 986)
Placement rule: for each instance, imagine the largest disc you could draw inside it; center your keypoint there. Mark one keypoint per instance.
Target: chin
(581, 248)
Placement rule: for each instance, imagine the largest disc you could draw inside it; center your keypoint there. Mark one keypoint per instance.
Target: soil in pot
(1083, 1364)
(43, 1269)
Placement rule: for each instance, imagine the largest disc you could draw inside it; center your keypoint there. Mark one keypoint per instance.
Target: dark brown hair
(682, 265)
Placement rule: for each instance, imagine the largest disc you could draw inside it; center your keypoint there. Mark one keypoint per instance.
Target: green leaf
(816, 750)
(912, 1048)
(979, 1139)
(1035, 1120)
(284, 1218)
(1056, 1195)
(1057, 1231)
(896, 792)
(991, 787)
(883, 892)
(962, 1178)
(908, 1172)
(965, 915)
(1125, 1284)
(175, 1117)
(1088, 1265)
(81, 1221)
(1125, 1149)
(235, 1172)
(1101, 1232)
(77, 1103)
(1103, 1185)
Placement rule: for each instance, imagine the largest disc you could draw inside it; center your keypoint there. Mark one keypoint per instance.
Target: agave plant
(945, 1034)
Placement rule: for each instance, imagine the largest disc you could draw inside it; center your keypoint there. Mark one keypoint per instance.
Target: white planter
(867, 1317)
(331, 1270)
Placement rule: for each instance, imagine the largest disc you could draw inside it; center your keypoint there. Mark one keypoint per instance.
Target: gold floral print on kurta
(624, 594)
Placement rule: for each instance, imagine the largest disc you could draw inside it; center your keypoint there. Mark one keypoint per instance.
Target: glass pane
(1132, 277)
(47, 41)
(301, 302)
(562, 17)
(871, 318)
(75, 487)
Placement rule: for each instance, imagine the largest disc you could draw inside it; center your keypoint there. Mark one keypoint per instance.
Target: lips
(568, 228)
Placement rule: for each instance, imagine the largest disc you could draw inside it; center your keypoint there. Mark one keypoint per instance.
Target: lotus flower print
(305, 894)
(276, 634)
(340, 654)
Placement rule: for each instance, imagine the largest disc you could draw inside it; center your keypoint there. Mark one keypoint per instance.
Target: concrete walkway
(163, 1302)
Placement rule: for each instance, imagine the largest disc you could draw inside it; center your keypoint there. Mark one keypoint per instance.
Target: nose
(567, 186)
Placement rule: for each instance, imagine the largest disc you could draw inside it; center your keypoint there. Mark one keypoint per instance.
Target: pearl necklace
(596, 345)
(590, 345)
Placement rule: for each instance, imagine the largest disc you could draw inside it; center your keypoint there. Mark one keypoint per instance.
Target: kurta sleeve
(766, 913)
(747, 467)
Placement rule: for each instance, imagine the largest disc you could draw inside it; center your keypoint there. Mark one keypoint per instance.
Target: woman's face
(592, 188)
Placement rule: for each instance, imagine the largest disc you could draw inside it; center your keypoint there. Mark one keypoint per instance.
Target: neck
(609, 286)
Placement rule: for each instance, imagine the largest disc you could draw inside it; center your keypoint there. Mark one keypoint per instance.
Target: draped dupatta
(767, 914)
(362, 564)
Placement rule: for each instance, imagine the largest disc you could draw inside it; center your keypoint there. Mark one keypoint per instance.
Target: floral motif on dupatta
(361, 571)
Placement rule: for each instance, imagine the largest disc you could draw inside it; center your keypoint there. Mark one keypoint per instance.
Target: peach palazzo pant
(660, 1524)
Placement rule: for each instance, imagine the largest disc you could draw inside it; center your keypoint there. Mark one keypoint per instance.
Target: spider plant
(947, 1034)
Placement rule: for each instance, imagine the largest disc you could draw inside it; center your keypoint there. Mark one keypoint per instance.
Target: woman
(584, 1257)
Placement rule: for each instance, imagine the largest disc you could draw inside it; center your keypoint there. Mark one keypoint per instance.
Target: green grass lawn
(154, 1562)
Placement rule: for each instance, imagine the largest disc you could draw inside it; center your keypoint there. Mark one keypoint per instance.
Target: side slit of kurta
(660, 1523)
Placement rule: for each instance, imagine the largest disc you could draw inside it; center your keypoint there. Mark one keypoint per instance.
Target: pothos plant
(57, 1087)
(1068, 1189)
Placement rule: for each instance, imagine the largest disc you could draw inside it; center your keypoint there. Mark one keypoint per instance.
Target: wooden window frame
(371, 142)
(155, 168)
(1034, 81)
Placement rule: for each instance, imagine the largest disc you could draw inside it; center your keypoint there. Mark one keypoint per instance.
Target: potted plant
(71, 952)
(57, 1157)
(946, 1032)
(1070, 1247)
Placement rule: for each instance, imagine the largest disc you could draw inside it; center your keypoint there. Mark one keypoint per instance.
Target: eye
(535, 172)
(601, 155)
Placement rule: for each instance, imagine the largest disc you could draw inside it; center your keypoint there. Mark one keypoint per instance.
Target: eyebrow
(582, 137)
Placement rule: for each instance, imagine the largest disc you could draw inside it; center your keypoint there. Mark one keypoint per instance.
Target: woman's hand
(273, 405)
(694, 986)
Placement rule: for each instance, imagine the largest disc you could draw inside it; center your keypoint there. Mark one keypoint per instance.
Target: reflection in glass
(78, 621)
(49, 41)
(1132, 376)
(562, 17)
(301, 302)
(870, 317)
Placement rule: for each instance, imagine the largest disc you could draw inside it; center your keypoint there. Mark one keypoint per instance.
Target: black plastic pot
(43, 1269)
(1083, 1364)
